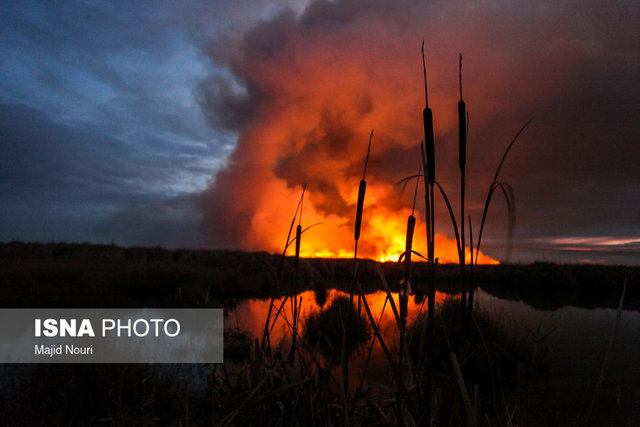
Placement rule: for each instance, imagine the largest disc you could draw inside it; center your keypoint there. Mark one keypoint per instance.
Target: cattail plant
(411, 225)
(266, 344)
(294, 285)
(462, 160)
(356, 234)
(463, 129)
(428, 161)
(404, 292)
(361, 192)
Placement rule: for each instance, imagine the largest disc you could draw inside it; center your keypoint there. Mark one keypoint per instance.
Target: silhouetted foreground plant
(90, 394)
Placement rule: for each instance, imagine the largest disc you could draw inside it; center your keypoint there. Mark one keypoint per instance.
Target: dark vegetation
(548, 286)
(496, 357)
(82, 275)
(91, 394)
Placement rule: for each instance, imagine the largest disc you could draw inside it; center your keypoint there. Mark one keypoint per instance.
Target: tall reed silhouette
(462, 162)
(429, 166)
(356, 234)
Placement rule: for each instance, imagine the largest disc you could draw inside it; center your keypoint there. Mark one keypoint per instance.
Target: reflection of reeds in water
(324, 330)
(320, 295)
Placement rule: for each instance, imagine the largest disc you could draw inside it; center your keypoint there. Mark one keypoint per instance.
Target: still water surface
(574, 340)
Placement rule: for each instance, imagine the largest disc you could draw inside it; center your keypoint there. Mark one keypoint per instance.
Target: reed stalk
(411, 225)
(494, 185)
(462, 160)
(358, 225)
(294, 291)
(471, 274)
(404, 295)
(607, 355)
(466, 400)
(428, 161)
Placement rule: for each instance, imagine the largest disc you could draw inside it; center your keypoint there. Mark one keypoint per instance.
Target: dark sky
(194, 124)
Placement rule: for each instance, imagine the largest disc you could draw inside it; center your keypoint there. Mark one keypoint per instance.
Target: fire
(311, 96)
(382, 237)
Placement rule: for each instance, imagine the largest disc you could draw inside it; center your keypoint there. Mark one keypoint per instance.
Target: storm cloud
(196, 124)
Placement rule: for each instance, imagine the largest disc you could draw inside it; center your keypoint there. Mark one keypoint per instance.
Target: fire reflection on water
(250, 315)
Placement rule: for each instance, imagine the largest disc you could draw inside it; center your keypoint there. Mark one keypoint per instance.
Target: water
(573, 342)
(250, 315)
(577, 341)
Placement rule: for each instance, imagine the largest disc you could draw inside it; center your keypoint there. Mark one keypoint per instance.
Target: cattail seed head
(361, 191)
(298, 236)
(411, 225)
(462, 125)
(429, 145)
(462, 134)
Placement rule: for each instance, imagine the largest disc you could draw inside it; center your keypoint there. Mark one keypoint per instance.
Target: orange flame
(382, 237)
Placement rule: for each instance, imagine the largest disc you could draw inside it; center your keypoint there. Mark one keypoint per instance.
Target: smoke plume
(307, 89)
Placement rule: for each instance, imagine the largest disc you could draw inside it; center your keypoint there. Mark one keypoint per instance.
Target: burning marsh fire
(304, 100)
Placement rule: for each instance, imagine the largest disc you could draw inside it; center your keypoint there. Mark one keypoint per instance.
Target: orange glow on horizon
(382, 236)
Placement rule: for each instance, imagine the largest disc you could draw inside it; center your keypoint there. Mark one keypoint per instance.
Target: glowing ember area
(383, 241)
(382, 237)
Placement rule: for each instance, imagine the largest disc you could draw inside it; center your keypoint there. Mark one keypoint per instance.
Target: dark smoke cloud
(306, 89)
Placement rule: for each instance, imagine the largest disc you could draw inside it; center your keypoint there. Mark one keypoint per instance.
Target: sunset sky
(194, 124)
